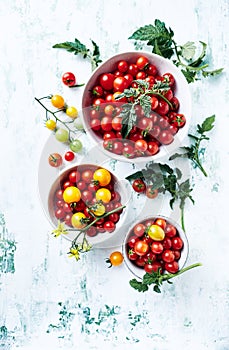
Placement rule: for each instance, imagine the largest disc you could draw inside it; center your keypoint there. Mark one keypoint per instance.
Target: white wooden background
(50, 301)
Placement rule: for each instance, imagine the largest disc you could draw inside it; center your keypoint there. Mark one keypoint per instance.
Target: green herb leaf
(156, 289)
(188, 50)
(157, 36)
(207, 125)
(129, 118)
(189, 75)
(95, 57)
(212, 73)
(139, 286)
(199, 60)
(145, 103)
(79, 48)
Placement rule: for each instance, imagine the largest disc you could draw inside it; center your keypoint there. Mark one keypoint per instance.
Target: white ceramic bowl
(121, 186)
(182, 92)
(139, 271)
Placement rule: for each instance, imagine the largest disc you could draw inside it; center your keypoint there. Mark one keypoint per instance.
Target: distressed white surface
(193, 312)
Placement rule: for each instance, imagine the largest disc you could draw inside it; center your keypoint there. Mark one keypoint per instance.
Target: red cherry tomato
(123, 66)
(139, 230)
(106, 81)
(69, 79)
(172, 267)
(139, 186)
(157, 247)
(142, 62)
(141, 248)
(69, 156)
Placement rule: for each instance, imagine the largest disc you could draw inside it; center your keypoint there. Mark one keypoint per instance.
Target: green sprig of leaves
(93, 55)
(157, 279)
(193, 152)
(139, 96)
(162, 41)
(165, 179)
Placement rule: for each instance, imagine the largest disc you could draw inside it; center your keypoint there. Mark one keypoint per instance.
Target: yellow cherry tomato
(71, 194)
(72, 112)
(79, 220)
(115, 259)
(103, 194)
(57, 101)
(103, 176)
(156, 232)
(50, 124)
(98, 209)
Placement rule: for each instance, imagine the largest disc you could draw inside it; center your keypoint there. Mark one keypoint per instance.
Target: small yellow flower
(74, 253)
(60, 230)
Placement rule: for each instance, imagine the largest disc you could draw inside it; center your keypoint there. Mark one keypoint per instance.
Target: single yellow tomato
(50, 124)
(79, 220)
(98, 209)
(103, 194)
(156, 232)
(72, 112)
(115, 259)
(103, 176)
(57, 101)
(71, 194)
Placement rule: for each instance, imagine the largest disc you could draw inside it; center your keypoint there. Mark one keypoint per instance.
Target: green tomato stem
(172, 275)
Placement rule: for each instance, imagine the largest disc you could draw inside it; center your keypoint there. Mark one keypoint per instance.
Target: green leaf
(156, 289)
(139, 286)
(134, 176)
(129, 118)
(212, 73)
(179, 173)
(157, 36)
(199, 60)
(188, 50)
(95, 59)
(207, 125)
(150, 278)
(165, 168)
(189, 75)
(142, 83)
(77, 47)
(145, 103)
(160, 86)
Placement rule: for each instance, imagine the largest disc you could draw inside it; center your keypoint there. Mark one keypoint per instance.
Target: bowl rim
(138, 271)
(165, 150)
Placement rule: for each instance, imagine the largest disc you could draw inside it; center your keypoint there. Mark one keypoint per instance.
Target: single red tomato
(55, 160)
(69, 79)
(141, 248)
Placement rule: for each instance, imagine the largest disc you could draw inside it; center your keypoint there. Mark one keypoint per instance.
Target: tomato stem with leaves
(141, 96)
(76, 247)
(80, 49)
(48, 111)
(162, 41)
(192, 152)
(157, 279)
(163, 178)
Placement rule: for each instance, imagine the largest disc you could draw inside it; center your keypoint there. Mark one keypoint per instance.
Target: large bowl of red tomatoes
(155, 243)
(88, 198)
(137, 107)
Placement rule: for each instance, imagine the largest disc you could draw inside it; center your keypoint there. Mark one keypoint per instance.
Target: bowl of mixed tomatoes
(137, 105)
(155, 243)
(91, 198)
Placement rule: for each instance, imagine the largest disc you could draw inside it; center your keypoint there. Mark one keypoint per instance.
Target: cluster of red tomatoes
(86, 195)
(155, 244)
(149, 132)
